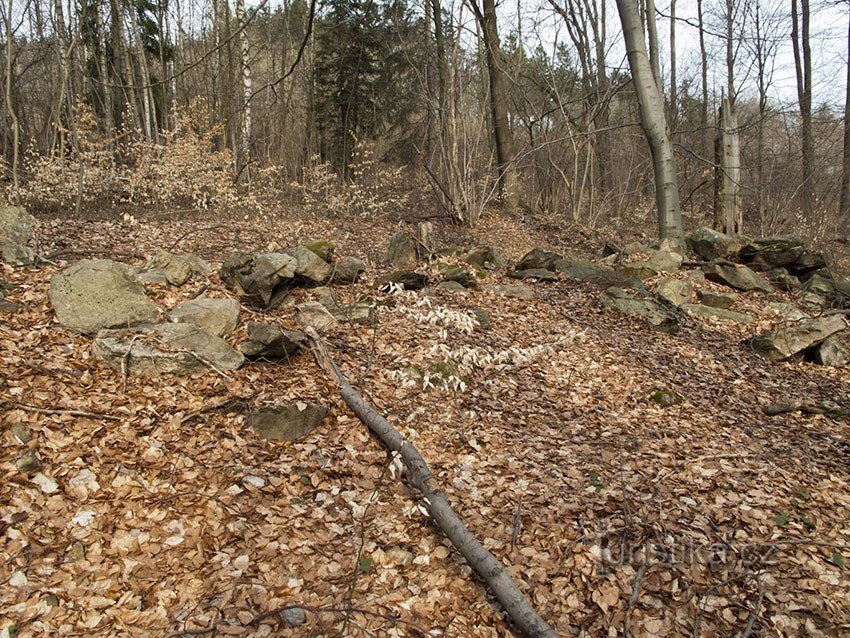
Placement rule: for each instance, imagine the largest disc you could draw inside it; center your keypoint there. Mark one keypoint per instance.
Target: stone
(464, 276)
(177, 268)
(287, 422)
(452, 286)
(660, 261)
(217, 316)
(236, 265)
(28, 463)
(401, 253)
(772, 252)
(828, 286)
(785, 311)
(22, 433)
(425, 240)
(711, 244)
(261, 280)
(724, 300)
(485, 257)
(16, 235)
(9, 308)
(718, 313)
(635, 248)
(655, 314)
(666, 398)
(293, 616)
(539, 274)
(585, 271)
(514, 292)
(312, 314)
(358, 312)
(309, 266)
(538, 258)
(409, 279)
(347, 270)
(154, 278)
(785, 342)
(139, 352)
(270, 341)
(738, 277)
(324, 250)
(98, 293)
(482, 317)
(808, 262)
(782, 279)
(675, 291)
(611, 249)
(831, 353)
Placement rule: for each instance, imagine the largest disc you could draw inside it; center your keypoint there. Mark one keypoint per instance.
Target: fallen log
(485, 564)
(775, 409)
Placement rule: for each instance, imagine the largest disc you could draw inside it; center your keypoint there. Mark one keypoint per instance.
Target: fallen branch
(78, 413)
(479, 558)
(775, 409)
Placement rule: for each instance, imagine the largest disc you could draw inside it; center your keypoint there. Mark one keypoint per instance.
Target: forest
(451, 319)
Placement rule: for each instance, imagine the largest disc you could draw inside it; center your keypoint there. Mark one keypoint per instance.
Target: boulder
(828, 286)
(16, 235)
(98, 293)
(312, 314)
(324, 250)
(586, 271)
(675, 291)
(660, 261)
(452, 286)
(464, 276)
(176, 268)
(724, 300)
(309, 266)
(772, 252)
(217, 316)
(9, 308)
(830, 353)
(538, 258)
(347, 270)
(610, 249)
(287, 422)
(187, 349)
(718, 313)
(359, 312)
(785, 311)
(711, 244)
(515, 292)
(738, 277)
(261, 280)
(808, 262)
(654, 313)
(785, 342)
(401, 253)
(782, 279)
(483, 257)
(408, 279)
(270, 341)
(538, 274)
(482, 317)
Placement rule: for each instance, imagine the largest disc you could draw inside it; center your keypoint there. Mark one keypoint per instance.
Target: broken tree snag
(485, 564)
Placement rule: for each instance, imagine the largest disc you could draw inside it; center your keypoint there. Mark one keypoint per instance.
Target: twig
(751, 621)
(189, 232)
(627, 630)
(79, 413)
(125, 364)
(774, 409)
(517, 525)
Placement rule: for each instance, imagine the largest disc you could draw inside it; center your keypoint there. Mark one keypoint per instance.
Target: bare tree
(844, 202)
(801, 45)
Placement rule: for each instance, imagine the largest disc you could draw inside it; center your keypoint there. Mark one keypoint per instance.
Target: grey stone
(464, 276)
(515, 292)
(176, 268)
(309, 265)
(452, 286)
(28, 463)
(9, 308)
(187, 349)
(724, 300)
(738, 277)
(312, 314)
(586, 271)
(482, 317)
(324, 250)
(216, 316)
(358, 312)
(262, 280)
(294, 616)
(96, 294)
(154, 277)
(22, 433)
(483, 257)
(540, 274)
(538, 258)
(16, 234)
(347, 270)
(651, 311)
(660, 261)
(771, 252)
(675, 291)
(782, 279)
(711, 244)
(410, 279)
(808, 262)
(831, 353)
(610, 249)
(828, 286)
(785, 342)
(719, 313)
(287, 422)
(401, 253)
(271, 341)
(785, 311)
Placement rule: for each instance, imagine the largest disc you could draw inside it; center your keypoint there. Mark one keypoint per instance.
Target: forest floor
(617, 516)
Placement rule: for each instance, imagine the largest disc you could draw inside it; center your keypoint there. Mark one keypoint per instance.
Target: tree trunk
(674, 89)
(803, 71)
(246, 123)
(10, 107)
(703, 56)
(728, 203)
(844, 205)
(654, 124)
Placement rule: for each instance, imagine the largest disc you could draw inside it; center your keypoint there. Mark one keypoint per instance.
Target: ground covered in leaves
(158, 511)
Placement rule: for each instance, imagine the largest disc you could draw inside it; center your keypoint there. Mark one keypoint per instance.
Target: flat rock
(782, 279)
(464, 276)
(270, 341)
(785, 342)
(453, 286)
(738, 277)
(660, 261)
(217, 316)
(785, 311)
(711, 244)
(312, 314)
(98, 293)
(808, 262)
(718, 313)
(408, 279)
(538, 258)
(483, 318)
(401, 253)
(347, 270)
(516, 292)
(359, 312)
(724, 300)
(654, 313)
(16, 235)
(675, 291)
(827, 285)
(324, 250)
(287, 422)
(483, 257)
(176, 268)
(831, 353)
(9, 308)
(539, 274)
(578, 270)
(261, 280)
(309, 266)
(187, 349)
(772, 252)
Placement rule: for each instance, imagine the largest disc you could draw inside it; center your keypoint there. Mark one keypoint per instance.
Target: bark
(652, 36)
(246, 123)
(703, 56)
(728, 202)
(803, 71)
(10, 107)
(844, 204)
(674, 89)
(485, 564)
(654, 124)
(730, 53)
